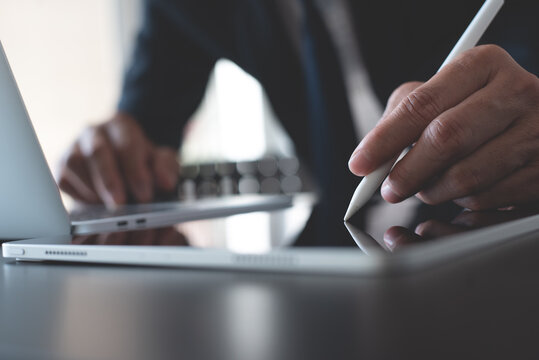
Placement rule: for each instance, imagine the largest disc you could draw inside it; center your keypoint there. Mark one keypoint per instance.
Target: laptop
(30, 200)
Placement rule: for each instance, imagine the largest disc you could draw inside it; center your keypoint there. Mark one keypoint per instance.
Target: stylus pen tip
(348, 215)
(351, 211)
(361, 196)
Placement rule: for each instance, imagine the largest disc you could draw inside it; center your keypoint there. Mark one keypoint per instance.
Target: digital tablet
(382, 238)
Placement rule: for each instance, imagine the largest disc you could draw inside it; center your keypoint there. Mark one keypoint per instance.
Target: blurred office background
(69, 57)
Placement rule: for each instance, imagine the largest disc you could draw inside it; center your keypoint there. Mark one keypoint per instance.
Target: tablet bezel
(289, 260)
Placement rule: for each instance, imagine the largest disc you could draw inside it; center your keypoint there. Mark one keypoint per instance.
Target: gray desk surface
(485, 306)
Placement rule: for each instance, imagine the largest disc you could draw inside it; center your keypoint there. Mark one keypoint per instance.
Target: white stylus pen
(370, 183)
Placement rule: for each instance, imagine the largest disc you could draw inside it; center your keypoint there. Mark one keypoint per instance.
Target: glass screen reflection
(256, 232)
(381, 227)
(168, 236)
(388, 228)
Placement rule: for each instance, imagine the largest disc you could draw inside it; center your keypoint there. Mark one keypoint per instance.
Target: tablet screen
(379, 226)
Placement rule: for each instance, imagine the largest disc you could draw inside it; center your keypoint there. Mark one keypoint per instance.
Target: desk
(484, 306)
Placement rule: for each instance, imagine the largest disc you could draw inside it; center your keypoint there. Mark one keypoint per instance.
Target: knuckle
(485, 53)
(421, 106)
(403, 90)
(400, 91)
(527, 87)
(466, 62)
(444, 138)
(481, 56)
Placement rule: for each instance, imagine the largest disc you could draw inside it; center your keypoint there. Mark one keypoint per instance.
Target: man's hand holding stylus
(474, 127)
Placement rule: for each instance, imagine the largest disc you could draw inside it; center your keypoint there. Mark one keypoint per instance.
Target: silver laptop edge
(30, 200)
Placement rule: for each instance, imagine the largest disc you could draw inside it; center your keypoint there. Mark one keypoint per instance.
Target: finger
(134, 155)
(486, 166)
(135, 163)
(67, 188)
(166, 168)
(403, 126)
(103, 167)
(517, 189)
(77, 185)
(454, 134)
(398, 236)
(434, 229)
(396, 97)
(75, 178)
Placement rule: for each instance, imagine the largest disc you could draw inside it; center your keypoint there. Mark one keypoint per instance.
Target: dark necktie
(317, 111)
(331, 139)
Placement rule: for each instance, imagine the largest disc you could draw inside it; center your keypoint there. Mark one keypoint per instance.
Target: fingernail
(388, 194)
(419, 229)
(389, 242)
(356, 151)
(111, 200)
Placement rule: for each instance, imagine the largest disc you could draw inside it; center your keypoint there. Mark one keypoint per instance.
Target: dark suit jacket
(181, 40)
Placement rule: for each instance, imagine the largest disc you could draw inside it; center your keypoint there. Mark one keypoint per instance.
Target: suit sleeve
(167, 77)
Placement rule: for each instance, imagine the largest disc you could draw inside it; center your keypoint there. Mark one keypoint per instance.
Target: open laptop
(31, 207)
(30, 203)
